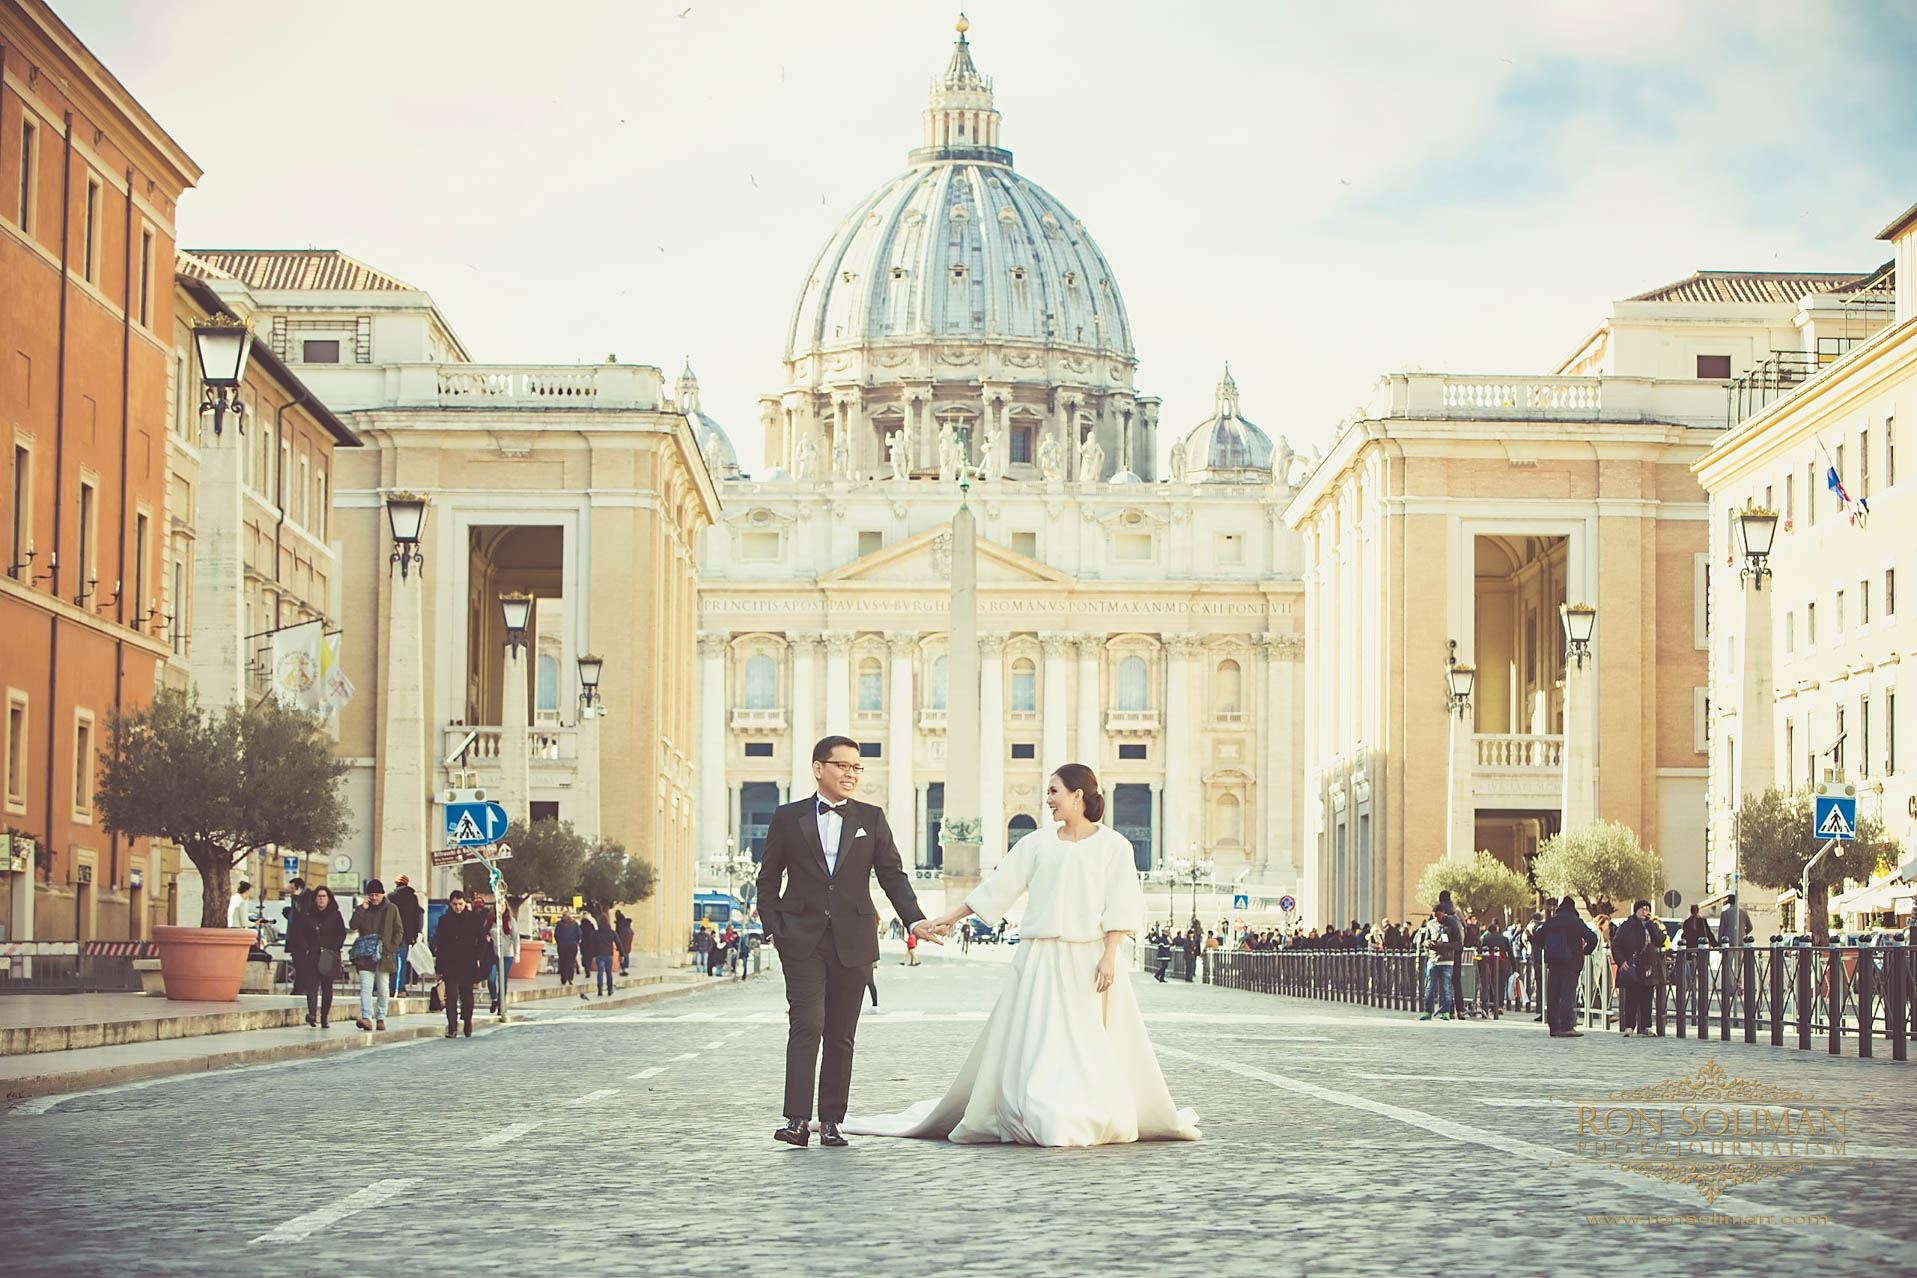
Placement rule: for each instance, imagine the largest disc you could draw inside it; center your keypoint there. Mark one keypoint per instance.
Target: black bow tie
(837, 809)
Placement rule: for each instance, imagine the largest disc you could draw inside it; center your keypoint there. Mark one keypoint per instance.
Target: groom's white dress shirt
(830, 823)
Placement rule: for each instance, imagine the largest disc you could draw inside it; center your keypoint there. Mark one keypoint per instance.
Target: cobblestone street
(1337, 1140)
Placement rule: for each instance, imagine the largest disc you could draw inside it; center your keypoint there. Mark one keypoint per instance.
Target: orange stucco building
(91, 184)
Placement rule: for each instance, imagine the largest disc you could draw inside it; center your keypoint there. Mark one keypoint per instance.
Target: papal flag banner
(296, 666)
(336, 690)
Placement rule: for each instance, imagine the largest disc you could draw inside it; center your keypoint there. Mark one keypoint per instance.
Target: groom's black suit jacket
(798, 910)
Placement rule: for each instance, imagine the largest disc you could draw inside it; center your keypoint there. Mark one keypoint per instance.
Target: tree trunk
(1817, 909)
(216, 880)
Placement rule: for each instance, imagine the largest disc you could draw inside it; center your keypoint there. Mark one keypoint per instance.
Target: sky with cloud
(1317, 193)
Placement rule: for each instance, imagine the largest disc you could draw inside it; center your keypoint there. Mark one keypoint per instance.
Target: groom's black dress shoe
(829, 1136)
(796, 1132)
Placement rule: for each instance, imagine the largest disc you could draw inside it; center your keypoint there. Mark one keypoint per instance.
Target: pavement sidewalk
(133, 1037)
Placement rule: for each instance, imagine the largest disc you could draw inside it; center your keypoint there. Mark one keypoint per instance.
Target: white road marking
(1518, 1102)
(717, 1042)
(503, 1136)
(312, 1222)
(1477, 1078)
(590, 1097)
(686, 1056)
(654, 1072)
(1852, 1235)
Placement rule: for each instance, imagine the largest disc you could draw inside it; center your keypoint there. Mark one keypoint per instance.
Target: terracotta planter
(526, 966)
(203, 964)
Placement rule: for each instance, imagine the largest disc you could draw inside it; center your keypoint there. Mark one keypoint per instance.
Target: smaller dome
(777, 475)
(1126, 477)
(722, 461)
(1227, 449)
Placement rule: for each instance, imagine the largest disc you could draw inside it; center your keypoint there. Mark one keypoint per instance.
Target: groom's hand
(926, 930)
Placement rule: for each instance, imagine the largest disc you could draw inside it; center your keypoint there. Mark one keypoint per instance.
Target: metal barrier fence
(1840, 998)
(72, 967)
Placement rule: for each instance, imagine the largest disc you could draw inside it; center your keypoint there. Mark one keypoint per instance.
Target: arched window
(1230, 817)
(1133, 684)
(871, 686)
(1021, 826)
(1228, 688)
(548, 682)
(940, 673)
(761, 683)
(1024, 685)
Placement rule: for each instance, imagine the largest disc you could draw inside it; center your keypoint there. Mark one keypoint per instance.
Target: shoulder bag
(366, 953)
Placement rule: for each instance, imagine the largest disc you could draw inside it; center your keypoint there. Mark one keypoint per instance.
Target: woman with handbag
(314, 935)
(376, 952)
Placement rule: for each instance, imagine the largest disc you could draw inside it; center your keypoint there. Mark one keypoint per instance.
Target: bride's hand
(1105, 974)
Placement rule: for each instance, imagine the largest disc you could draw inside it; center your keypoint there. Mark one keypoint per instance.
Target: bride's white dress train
(1057, 1063)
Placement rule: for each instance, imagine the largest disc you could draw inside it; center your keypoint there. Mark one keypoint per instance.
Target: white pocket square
(860, 834)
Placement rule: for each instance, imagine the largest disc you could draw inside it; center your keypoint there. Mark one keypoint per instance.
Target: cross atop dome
(1227, 394)
(960, 122)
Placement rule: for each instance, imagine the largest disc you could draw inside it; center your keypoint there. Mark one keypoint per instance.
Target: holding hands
(932, 931)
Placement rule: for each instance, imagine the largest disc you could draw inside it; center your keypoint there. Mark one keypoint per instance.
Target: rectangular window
(1890, 592)
(1131, 816)
(1810, 495)
(1890, 733)
(1022, 445)
(1863, 737)
(1890, 451)
(1790, 746)
(84, 566)
(1837, 464)
(176, 624)
(1837, 744)
(319, 506)
(1837, 615)
(83, 764)
(1713, 367)
(871, 542)
(320, 351)
(871, 691)
(1231, 549)
(1790, 633)
(1025, 543)
(90, 230)
(1790, 498)
(140, 602)
(146, 279)
(1024, 691)
(758, 749)
(1701, 601)
(1131, 751)
(1701, 720)
(29, 166)
(1024, 750)
(16, 750)
(871, 750)
(1810, 624)
(22, 535)
(304, 496)
(759, 545)
(1863, 603)
(1863, 463)
(1132, 548)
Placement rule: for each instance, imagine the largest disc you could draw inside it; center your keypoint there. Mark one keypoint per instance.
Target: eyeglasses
(853, 768)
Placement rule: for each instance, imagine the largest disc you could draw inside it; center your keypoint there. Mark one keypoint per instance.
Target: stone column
(713, 822)
(805, 719)
(1579, 804)
(1757, 738)
(1285, 730)
(1461, 804)
(991, 750)
(1088, 748)
(838, 683)
(1180, 746)
(515, 741)
(901, 811)
(217, 659)
(1056, 747)
(402, 847)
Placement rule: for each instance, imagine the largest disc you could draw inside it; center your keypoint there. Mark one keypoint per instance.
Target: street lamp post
(402, 846)
(1460, 822)
(1578, 806)
(1756, 532)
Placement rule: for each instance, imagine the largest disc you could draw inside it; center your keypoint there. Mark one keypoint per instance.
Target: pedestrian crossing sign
(1835, 815)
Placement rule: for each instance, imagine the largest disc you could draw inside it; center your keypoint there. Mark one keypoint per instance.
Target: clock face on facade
(297, 672)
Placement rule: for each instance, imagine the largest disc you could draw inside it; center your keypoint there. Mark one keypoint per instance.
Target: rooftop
(1747, 287)
(272, 269)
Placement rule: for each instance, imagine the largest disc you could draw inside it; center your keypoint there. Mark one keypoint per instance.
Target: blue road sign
(470, 825)
(1241, 901)
(1835, 817)
(291, 864)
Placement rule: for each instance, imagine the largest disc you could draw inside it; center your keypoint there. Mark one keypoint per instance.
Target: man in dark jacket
(599, 955)
(463, 951)
(566, 936)
(1564, 940)
(1697, 932)
(1637, 946)
(1162, 956)
(1444, 940)
(412, 917)
(377, 917)
(1494, 970)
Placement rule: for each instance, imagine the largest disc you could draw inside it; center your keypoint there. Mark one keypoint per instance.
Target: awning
(1870, 898)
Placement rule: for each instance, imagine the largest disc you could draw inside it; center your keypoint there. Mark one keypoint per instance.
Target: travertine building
(1145, 624)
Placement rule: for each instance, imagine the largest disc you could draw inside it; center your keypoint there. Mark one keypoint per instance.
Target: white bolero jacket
(1077, 891)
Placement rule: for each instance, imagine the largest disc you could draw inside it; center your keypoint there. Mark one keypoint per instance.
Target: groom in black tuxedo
(820, 854)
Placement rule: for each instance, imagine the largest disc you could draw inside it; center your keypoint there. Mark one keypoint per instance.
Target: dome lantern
(959, 121)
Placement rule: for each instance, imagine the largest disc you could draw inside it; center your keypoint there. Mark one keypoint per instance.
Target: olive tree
(1776, 840)
(1597, 863)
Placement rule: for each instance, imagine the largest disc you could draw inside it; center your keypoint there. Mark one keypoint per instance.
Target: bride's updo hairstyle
(1076, 776)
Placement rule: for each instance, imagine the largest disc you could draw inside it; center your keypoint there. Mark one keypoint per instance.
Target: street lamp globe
(1757, 529)
(1580, 622)
(405, 513)
(1459, 677)
(223, 344)
(516, 606)
(589, 668)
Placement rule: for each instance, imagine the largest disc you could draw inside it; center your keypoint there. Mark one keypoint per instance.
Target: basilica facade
(1148, 624)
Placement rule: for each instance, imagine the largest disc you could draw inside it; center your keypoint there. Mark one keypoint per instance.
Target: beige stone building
(1805, 672)
(1146, 624)
(1451, 520)
(580, 485)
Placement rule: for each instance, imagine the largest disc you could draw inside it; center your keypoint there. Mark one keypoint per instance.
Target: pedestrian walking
(566, 937)
(461, 953)
(1443, 944)
(412, 915)
(1637, 946)
(236, 904)
(315, 931)
(1696, 931)
(622, 932)
(911, 958)
(296, 900)
(1565, 941)
(586, 928)
(702, 950)
(375, 952)
(1162, 954)
(599, 958)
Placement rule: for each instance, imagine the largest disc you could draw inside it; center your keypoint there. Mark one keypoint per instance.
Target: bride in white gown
(1064, 1058)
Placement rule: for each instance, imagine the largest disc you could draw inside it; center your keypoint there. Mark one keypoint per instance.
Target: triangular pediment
(925, 560)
